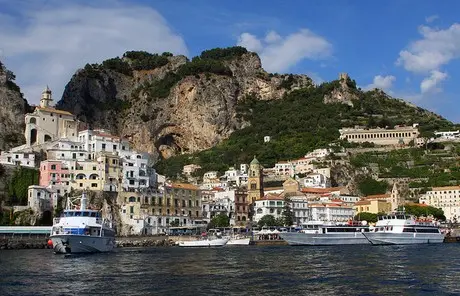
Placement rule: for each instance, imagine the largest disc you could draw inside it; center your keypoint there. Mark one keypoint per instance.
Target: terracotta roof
(362, 202)
(52, 110)
(184, 186)
(321, 190)
(377, 196)
(445, 188)
(271, 196)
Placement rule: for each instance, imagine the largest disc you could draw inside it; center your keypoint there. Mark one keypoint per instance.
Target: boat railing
(56, 220)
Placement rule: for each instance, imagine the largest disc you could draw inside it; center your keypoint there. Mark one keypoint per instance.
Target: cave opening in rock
(167, 145)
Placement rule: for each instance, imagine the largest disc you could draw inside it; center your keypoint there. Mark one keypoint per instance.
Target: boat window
(78, 214)
(427, 230)
(93, 214)
(85, 214)
(408, 229)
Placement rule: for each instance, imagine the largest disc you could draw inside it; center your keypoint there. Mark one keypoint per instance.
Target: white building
(300, 209)
(41, 199)
(244, 168)
(444, 198)
(331, 212)
(270, 204)
(18, 158)
(283, 168)
(99, 140)
(137, 175)
(46, 123)
(315, 180)
(449, 135)
(190, 168)
(64, 149)
(266, 139)
(318, 153)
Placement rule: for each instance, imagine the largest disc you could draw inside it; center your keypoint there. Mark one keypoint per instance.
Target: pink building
(53, 172)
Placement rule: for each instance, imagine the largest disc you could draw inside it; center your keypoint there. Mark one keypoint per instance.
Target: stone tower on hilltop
(255, 181)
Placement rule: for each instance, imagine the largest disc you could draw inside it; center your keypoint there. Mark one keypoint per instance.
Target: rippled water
(252, 270)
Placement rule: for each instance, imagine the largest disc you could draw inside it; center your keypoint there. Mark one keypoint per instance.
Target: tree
(220, 220)
(287, 218)
(369, 186)
(424, 210)
(2, 171)
(365, 216)
(267, 220)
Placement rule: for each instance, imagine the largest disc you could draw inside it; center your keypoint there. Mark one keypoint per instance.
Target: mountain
(12, 109)
(168, 105)
(216, 109)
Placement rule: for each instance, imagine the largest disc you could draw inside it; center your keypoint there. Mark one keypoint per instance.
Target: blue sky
(411, 49)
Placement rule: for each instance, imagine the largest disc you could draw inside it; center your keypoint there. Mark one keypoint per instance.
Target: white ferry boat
(316, 233)
(239, 240)
(82, 230)
(399, 229)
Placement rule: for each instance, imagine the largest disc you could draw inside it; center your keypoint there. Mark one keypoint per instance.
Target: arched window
(94, 177)
(33, 120)
(80, 176)
(132, 199)
(259, 211)
(244, 218)
(47, 138)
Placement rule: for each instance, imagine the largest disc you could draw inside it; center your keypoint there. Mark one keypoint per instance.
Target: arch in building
(132, 199)
(259, 211)
(93, 176)
(33, 120)
(80, 176)
(244, 218)
(142, 173)
(33, 136)
(47, 138)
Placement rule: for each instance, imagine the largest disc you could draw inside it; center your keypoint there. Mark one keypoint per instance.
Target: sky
(410, 49)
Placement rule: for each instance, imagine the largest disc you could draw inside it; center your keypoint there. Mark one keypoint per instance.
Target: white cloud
(431, 18)
(429, 84)
(436, 48)
(47, 46)
(381, 82)
(279, 53)
(250, 42)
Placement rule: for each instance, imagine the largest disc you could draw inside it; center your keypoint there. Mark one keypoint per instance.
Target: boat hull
(324, 239)
(65, 244)
(239, 242)
(204, 243)
(388, 238)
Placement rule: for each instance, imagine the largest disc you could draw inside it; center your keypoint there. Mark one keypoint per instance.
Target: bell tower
(46, 99)
(255, 181)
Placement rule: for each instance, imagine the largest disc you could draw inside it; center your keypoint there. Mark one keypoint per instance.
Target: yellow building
(373, 206)
(255, 181)
(113, 171)
(88, 175)
(182, 200)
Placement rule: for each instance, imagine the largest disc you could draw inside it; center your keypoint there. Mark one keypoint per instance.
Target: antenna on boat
(83, 200)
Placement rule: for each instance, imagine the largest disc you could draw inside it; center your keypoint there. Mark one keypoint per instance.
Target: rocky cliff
(12, 109)
(167, 104)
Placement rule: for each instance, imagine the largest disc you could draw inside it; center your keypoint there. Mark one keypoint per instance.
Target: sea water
(246, 270)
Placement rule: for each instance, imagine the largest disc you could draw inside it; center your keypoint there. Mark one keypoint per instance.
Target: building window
(81, 184)
(103, 146)
(114, 147)
(93, 185)
(53, 166)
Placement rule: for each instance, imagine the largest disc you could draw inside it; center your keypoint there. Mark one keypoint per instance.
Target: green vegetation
(142, 60)
(220, 220)
(365, 216)
(268, 220)
(424, 211)
(301, 122)
(287, 218)
(20, 181)
(118, 65)
(368, 186)
(223, 53)
(427, 168)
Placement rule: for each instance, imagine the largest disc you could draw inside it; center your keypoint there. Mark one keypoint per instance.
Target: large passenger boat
(400, 228)
(82, 230)
(320, 234)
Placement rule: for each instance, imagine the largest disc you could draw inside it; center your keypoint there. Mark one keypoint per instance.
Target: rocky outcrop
(345, 93)
(198, 112)
(12, 109)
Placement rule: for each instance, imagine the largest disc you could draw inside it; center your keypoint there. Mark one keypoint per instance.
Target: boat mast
(83, 201)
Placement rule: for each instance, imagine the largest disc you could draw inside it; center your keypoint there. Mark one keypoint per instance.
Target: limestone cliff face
(345, 93)
(198, 113)
(12, 109)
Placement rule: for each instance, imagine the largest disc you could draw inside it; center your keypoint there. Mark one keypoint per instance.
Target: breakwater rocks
(127, 242)
(15, 244)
